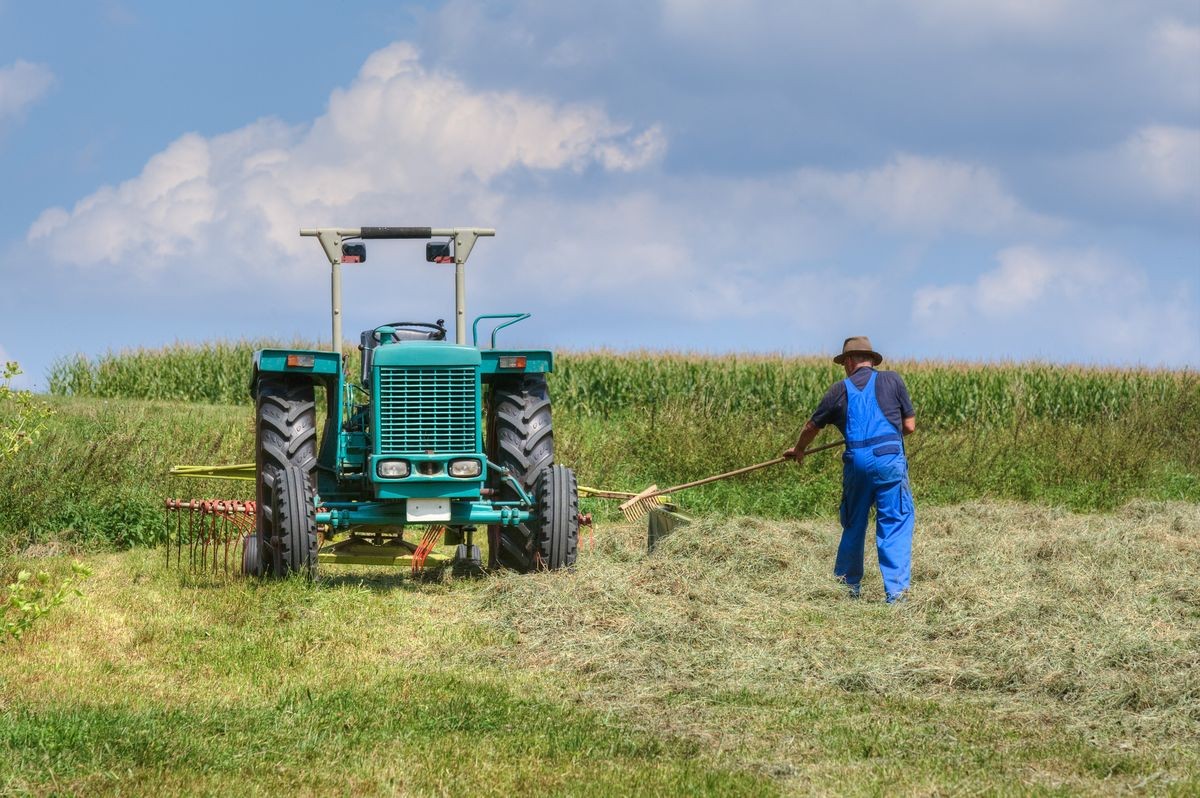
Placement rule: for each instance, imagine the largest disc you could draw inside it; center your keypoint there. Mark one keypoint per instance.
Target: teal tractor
(429, 434)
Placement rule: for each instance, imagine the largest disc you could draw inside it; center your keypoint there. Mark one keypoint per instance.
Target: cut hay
(1088, 624)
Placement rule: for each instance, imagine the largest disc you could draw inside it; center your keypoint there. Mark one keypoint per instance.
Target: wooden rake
(636, 508)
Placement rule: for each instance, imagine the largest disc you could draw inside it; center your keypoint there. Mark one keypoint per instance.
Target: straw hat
(858, 345)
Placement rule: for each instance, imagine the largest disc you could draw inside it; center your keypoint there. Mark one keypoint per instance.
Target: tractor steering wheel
(437, 328)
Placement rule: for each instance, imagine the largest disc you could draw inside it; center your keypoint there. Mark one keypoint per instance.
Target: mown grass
(1041, 653)
(156, 685)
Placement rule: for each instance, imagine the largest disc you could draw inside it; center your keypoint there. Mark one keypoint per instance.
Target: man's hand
(795, 454)
(806, 437)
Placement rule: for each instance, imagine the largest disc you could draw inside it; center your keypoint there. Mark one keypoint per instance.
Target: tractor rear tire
(520, 438)
(285, 436)
(289, 525)
(556, 542)
(286, 423)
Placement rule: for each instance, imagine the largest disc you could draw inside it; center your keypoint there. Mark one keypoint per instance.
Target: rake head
(638, 507)
(209, 535)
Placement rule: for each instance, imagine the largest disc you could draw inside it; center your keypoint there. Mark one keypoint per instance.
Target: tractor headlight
(465, 468)
(392, 469)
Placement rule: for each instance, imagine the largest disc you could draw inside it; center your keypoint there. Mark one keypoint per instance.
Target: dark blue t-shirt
(890, 392)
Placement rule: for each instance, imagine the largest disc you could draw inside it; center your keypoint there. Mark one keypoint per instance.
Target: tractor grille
(422, 409)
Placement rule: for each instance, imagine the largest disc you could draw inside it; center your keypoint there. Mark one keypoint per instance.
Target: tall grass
(217, 372)
(604, 383)
(1088, 439)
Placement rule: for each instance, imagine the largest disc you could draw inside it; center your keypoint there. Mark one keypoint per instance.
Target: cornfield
(600, 384)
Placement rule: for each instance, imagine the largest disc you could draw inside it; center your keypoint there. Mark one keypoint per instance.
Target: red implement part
(214, 530)
(432, 535)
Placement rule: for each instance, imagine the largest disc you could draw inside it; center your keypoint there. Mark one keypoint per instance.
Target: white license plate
(428, 509)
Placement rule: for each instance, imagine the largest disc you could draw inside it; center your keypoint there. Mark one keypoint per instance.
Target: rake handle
(735, 472)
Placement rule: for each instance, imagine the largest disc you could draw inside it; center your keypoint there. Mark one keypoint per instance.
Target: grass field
(1043, 652)
(1085, 439)
(1051, 645)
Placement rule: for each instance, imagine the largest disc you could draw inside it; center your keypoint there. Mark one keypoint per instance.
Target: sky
(992, 180)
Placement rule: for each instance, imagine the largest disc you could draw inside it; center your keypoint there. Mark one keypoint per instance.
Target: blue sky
(986, 180)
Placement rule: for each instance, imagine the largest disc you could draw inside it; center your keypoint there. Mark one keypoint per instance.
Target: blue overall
(874, 471)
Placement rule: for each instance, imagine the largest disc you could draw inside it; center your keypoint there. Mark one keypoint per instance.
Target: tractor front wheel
(556, 540)
(521, 439)
(289, 525)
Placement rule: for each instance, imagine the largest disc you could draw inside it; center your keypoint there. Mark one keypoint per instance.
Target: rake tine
(214, 536)
(225, 522)
(216, 539)
(166, 528)
(205, 536)
(192, 542)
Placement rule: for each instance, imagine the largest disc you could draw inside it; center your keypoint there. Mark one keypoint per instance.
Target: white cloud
(697, 250)
(924, 196)
(1155, 167)
(1025, 16)
(1175, 50)
(399, 144)
(1082, 302)
(1164, 161)
(21, 85)
(951, 20)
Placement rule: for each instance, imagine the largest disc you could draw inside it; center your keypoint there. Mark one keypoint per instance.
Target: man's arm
(830, 410)
(806, 437)
(908, 418)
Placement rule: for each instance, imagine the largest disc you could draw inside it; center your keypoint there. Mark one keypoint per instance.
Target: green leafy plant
(22, 417)
(32, 596)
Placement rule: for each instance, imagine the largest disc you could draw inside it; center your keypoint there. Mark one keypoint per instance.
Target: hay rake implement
(210, 533)
(214, 536)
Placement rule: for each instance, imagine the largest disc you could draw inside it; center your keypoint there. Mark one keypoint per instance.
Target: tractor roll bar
(331, 239)
(396, 232)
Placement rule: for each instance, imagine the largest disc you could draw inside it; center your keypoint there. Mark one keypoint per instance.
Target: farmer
(873, 411)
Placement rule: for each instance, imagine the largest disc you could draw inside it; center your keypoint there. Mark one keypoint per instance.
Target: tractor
(428, 434)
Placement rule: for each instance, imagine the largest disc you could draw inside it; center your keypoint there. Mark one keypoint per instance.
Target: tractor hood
(425, 353)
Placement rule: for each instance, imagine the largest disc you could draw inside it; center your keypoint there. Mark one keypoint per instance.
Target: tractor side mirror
(439, 252)
(354, 253)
